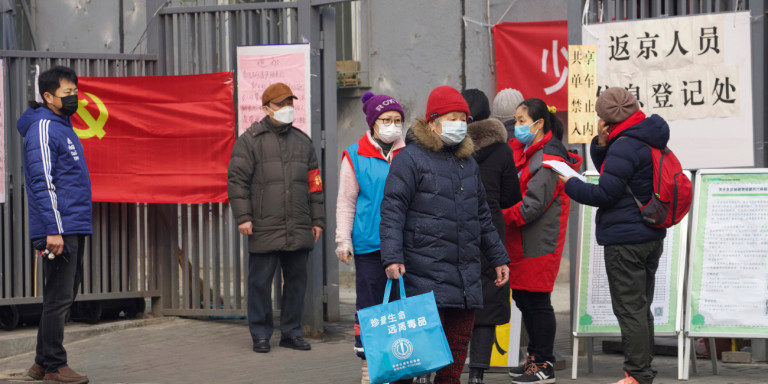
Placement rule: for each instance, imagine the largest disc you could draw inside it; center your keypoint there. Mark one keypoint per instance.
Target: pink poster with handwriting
(260, 66)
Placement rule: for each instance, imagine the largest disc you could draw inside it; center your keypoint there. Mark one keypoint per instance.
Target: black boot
(476, 375)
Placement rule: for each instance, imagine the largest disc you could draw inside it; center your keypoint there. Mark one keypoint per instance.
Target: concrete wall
(91, 26)
(413, 46)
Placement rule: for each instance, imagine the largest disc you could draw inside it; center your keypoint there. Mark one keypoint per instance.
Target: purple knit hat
(375, 105)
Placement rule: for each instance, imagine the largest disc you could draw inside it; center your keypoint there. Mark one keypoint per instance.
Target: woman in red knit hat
(436, 225)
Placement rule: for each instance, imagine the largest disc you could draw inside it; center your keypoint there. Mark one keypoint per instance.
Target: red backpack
(672, 191)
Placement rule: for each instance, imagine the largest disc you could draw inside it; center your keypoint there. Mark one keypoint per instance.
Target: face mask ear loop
(537, 131)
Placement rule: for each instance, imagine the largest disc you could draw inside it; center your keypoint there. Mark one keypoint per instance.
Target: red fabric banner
(157, 139)
(533, 58)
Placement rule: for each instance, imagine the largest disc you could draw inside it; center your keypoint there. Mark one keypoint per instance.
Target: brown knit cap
(615, 105)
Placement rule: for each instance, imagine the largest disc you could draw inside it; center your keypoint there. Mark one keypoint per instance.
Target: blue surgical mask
(523, 134)
(453, 132)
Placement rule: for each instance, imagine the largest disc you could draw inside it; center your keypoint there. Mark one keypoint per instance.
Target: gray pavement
(207, 351)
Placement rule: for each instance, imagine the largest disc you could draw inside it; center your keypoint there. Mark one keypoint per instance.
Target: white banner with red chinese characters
(693, 71)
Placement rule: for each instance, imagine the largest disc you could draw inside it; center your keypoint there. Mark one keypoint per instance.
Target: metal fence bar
(226, 256)
(114, 248)
(228, 8)
(632, 9)
(124, 230)
(86, 286)
(103, 218)
(207, 256)
(186, 256)
(198, 253)
(175, 260)
(330, 156)
(136, 259)
(621, 6)
(237, 253)
(218, 256)
(246, 269)
(149, 261)
(6, 251)
(610, 10)
(45, 55)
(26, 259)
(656, 8)
(95, 253)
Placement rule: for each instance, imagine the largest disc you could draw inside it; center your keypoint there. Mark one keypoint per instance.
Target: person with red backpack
(624, 152)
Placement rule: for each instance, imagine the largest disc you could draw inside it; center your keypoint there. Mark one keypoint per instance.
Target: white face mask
(283, 115)
(391, 132)
(453, 132)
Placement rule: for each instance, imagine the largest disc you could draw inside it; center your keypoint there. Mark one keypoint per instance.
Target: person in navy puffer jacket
(59, 199)
(622, 154)
(436, 224)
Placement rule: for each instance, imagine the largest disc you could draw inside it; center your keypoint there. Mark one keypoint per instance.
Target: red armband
(314, 180)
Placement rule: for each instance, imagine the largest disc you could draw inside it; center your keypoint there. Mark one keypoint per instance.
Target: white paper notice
(734, 289)
(599, 296)
(564, 169)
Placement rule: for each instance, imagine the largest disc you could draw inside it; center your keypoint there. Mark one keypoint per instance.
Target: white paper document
(564, 169)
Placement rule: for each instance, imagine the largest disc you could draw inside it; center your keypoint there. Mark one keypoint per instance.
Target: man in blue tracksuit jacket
(59, 198)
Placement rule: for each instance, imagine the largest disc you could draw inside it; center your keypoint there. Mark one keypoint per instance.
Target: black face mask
(68, 105)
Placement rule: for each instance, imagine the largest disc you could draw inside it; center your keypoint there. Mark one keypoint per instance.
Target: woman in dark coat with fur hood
(502, 190)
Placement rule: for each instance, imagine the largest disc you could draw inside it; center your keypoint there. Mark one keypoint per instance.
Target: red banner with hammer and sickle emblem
(533, 58)
(157, 139)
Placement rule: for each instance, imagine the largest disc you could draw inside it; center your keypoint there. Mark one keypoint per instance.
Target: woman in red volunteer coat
(536, 232)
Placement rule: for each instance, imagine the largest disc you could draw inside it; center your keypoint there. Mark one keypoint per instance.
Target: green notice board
(595, 313)
(728, 272)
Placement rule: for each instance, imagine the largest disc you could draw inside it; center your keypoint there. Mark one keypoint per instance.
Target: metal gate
(190, 257)
(211, 273)
(119, 259)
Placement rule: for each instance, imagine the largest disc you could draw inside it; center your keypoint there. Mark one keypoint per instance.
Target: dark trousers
(481, 346)
(61, 281)
(457, 324)
(370, 281)
(261, 271)
(631, 271)
(539, 320)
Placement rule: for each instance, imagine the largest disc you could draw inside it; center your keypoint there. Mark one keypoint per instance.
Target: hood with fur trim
(487, 132)
(421, 135)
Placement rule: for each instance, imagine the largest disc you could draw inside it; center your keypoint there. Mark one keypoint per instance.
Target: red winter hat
(445, 99)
